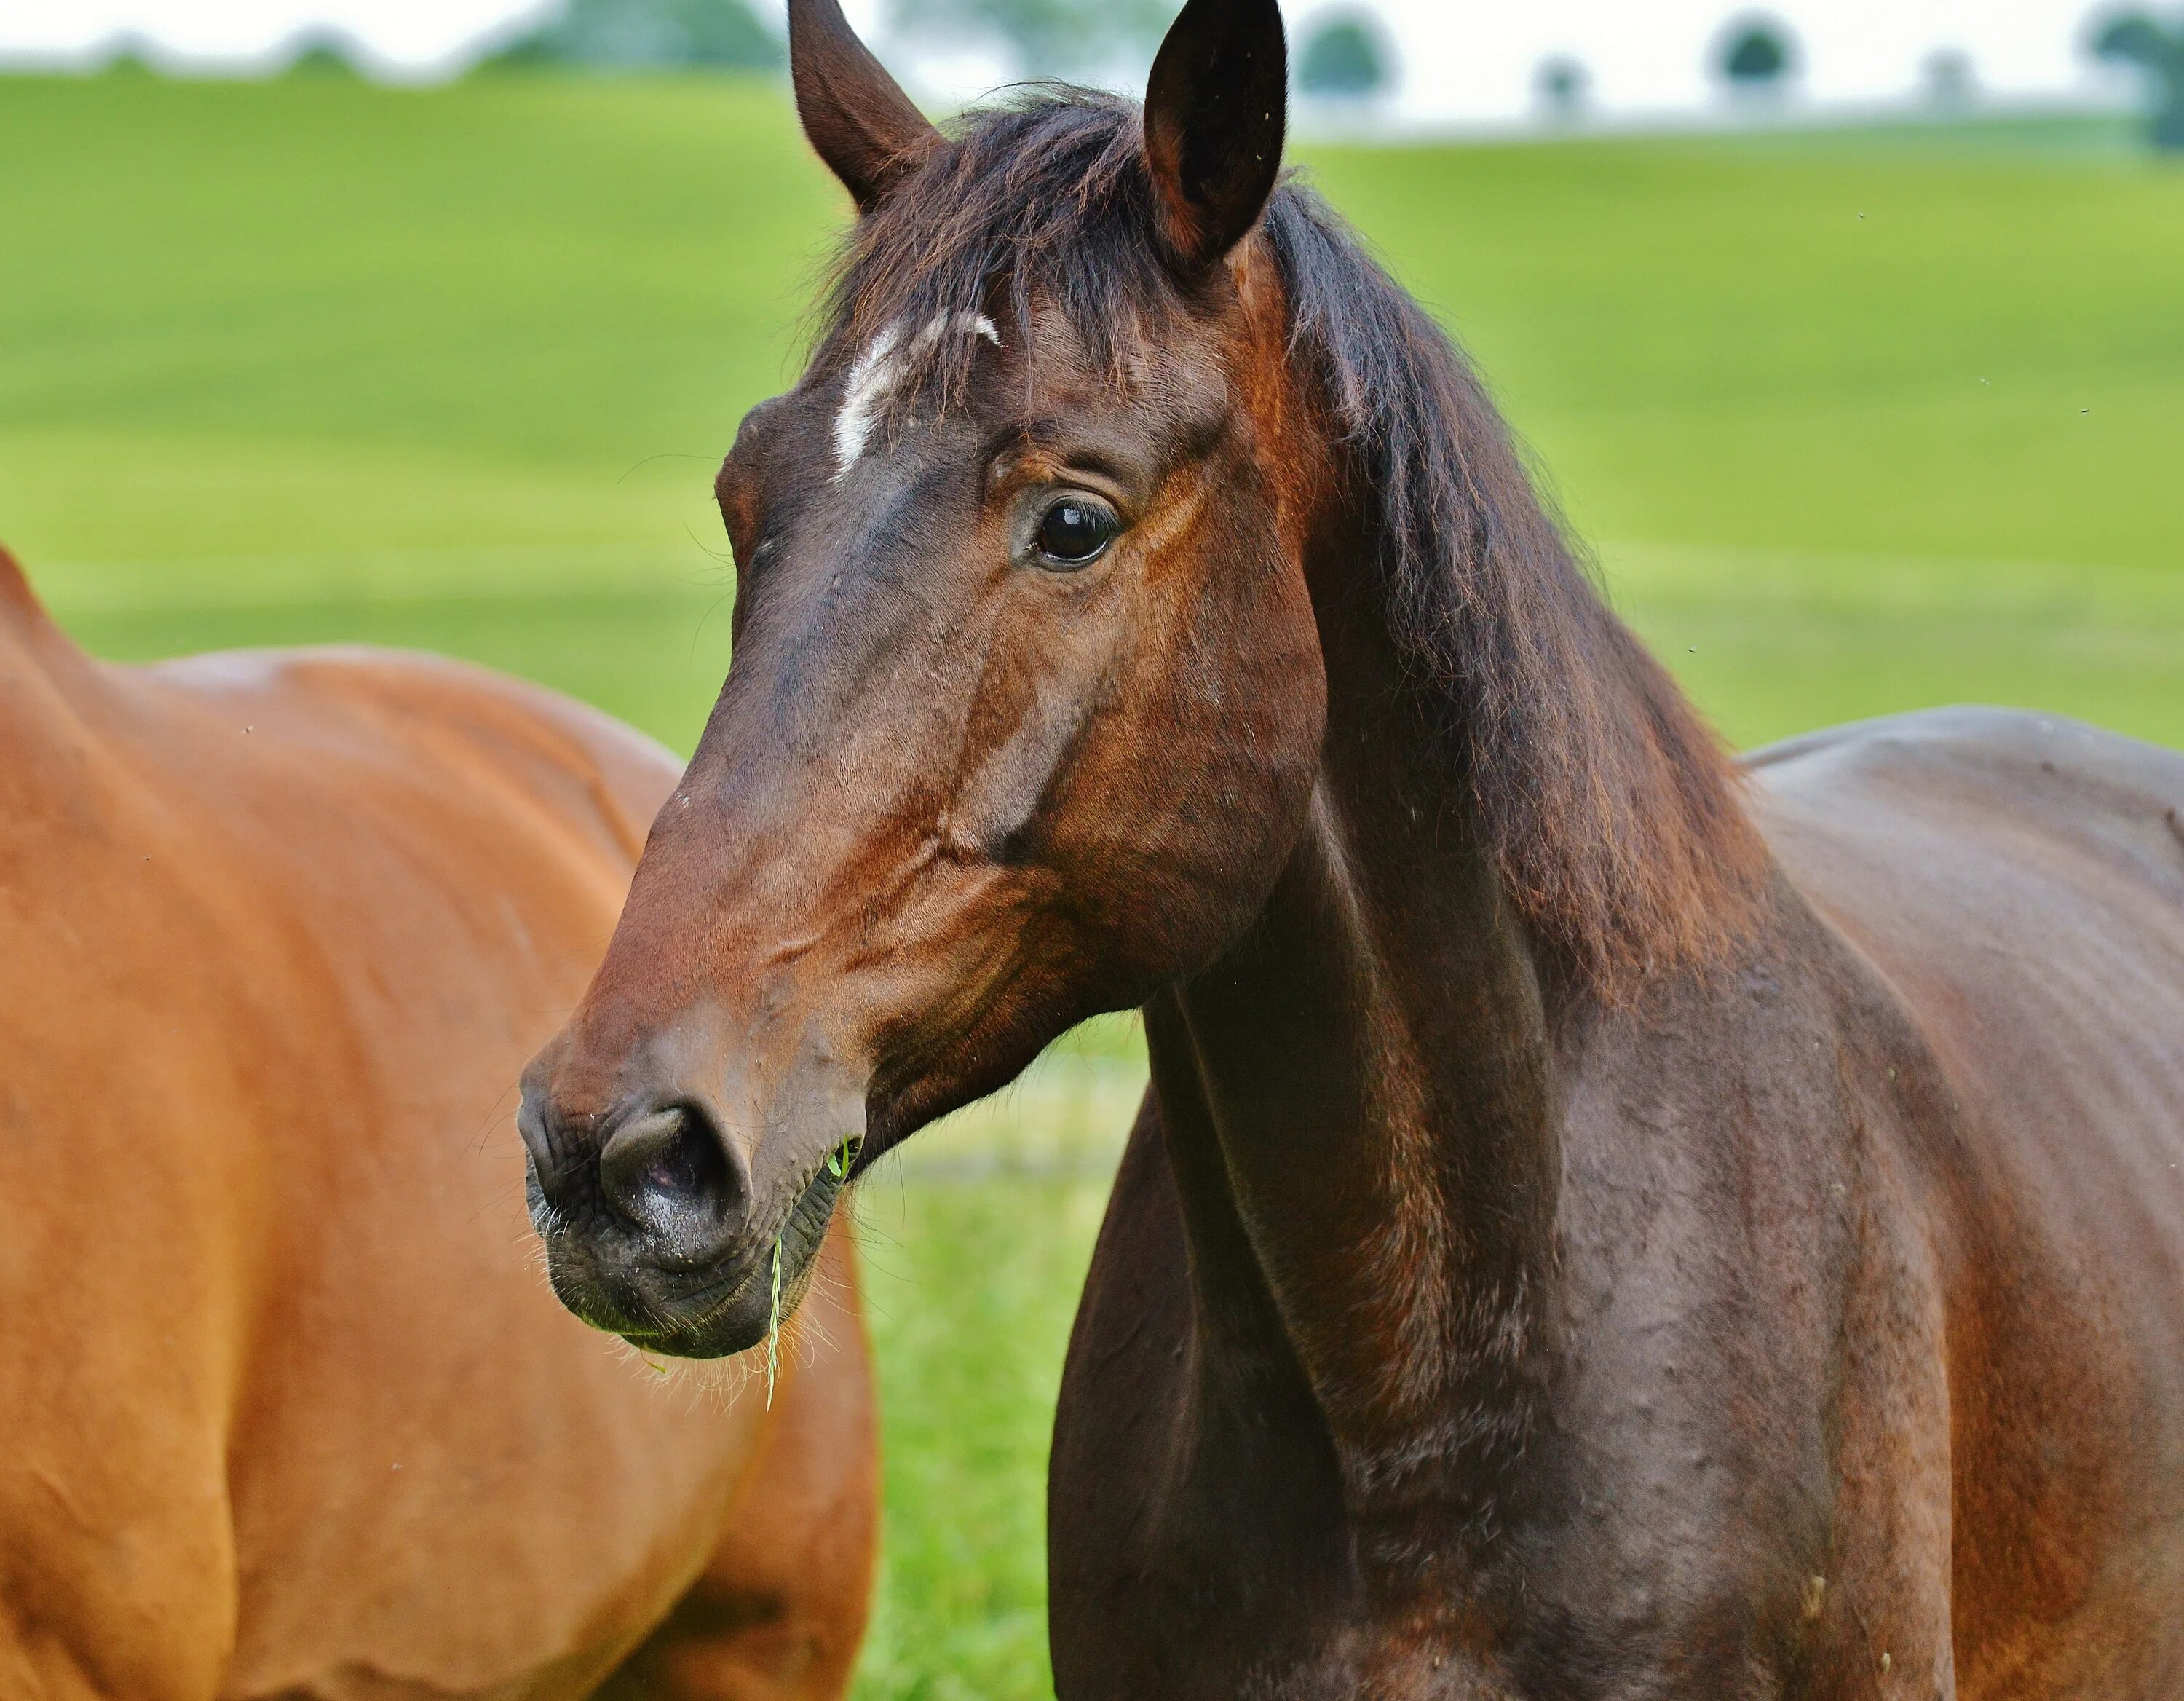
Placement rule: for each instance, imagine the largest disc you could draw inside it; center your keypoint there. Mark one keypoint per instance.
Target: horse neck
(1359, 1101)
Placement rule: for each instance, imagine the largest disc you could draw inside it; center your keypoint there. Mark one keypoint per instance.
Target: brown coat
(288, 1407)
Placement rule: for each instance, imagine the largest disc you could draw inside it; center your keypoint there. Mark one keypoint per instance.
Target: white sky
(1464, 60)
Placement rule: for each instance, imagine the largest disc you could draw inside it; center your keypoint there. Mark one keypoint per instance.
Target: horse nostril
(666, 1170)
(687, 1164)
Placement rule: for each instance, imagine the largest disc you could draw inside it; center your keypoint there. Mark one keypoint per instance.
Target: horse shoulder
(2012, 886)
(1747, 1322)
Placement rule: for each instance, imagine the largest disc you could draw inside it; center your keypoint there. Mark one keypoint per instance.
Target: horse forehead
(879, 370)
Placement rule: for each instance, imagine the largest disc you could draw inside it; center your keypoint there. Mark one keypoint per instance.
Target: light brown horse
(285, 1407)
(1604, 1223)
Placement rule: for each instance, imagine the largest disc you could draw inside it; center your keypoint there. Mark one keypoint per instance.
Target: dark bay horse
(286, 1407)
(1606, 1221)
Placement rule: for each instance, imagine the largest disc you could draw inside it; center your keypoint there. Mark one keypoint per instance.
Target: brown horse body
(1829, 1336)
(1603, 1223)
(288, 1410)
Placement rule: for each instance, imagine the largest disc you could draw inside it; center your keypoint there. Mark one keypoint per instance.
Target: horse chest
(1203, 1543)
(1232, 1571)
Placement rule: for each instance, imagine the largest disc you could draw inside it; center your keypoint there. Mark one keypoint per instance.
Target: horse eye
(1076, 532)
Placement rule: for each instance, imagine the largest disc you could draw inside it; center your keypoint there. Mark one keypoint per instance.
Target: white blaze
(878, 370)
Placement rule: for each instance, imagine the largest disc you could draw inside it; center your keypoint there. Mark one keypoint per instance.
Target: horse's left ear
(1215, 112)
(857, 117)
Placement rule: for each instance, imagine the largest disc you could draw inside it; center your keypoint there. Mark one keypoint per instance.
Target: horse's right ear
(855, 115)
(1215, 111)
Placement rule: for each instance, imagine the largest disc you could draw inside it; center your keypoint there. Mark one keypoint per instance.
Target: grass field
(1855, 423)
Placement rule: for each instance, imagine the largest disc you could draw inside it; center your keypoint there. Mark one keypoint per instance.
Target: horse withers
(1606, 1220)
(287, 1409)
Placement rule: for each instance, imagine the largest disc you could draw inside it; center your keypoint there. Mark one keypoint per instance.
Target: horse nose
(670, 1172)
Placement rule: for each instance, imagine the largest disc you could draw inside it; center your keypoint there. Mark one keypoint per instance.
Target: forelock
(1044, 202)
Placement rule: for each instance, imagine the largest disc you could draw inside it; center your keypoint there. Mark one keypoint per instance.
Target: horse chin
(736, 1324)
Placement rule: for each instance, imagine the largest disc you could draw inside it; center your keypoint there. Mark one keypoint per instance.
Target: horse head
(1026, 700)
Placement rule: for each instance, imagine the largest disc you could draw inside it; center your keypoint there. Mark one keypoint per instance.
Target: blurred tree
(1345, 57)
(640, 34)
(1948, 79)
(322, 53)
(1756, 55)
(130, 55)
(2156, 51)
(1561, 84)
(1046, 38)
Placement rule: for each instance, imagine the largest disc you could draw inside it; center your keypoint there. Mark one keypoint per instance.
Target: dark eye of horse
(1076, 532)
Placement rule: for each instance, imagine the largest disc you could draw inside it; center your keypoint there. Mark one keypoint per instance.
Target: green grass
(972, 1287)
(1856, 420)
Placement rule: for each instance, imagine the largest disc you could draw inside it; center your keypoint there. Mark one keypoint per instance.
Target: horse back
(2017, 882)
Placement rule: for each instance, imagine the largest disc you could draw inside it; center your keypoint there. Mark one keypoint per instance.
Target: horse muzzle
(656, 1229)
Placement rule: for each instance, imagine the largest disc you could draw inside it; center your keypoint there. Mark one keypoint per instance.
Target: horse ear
(855, 115)
(1215, 112)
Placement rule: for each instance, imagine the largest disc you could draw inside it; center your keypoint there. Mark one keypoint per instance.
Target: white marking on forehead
(878, 370)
